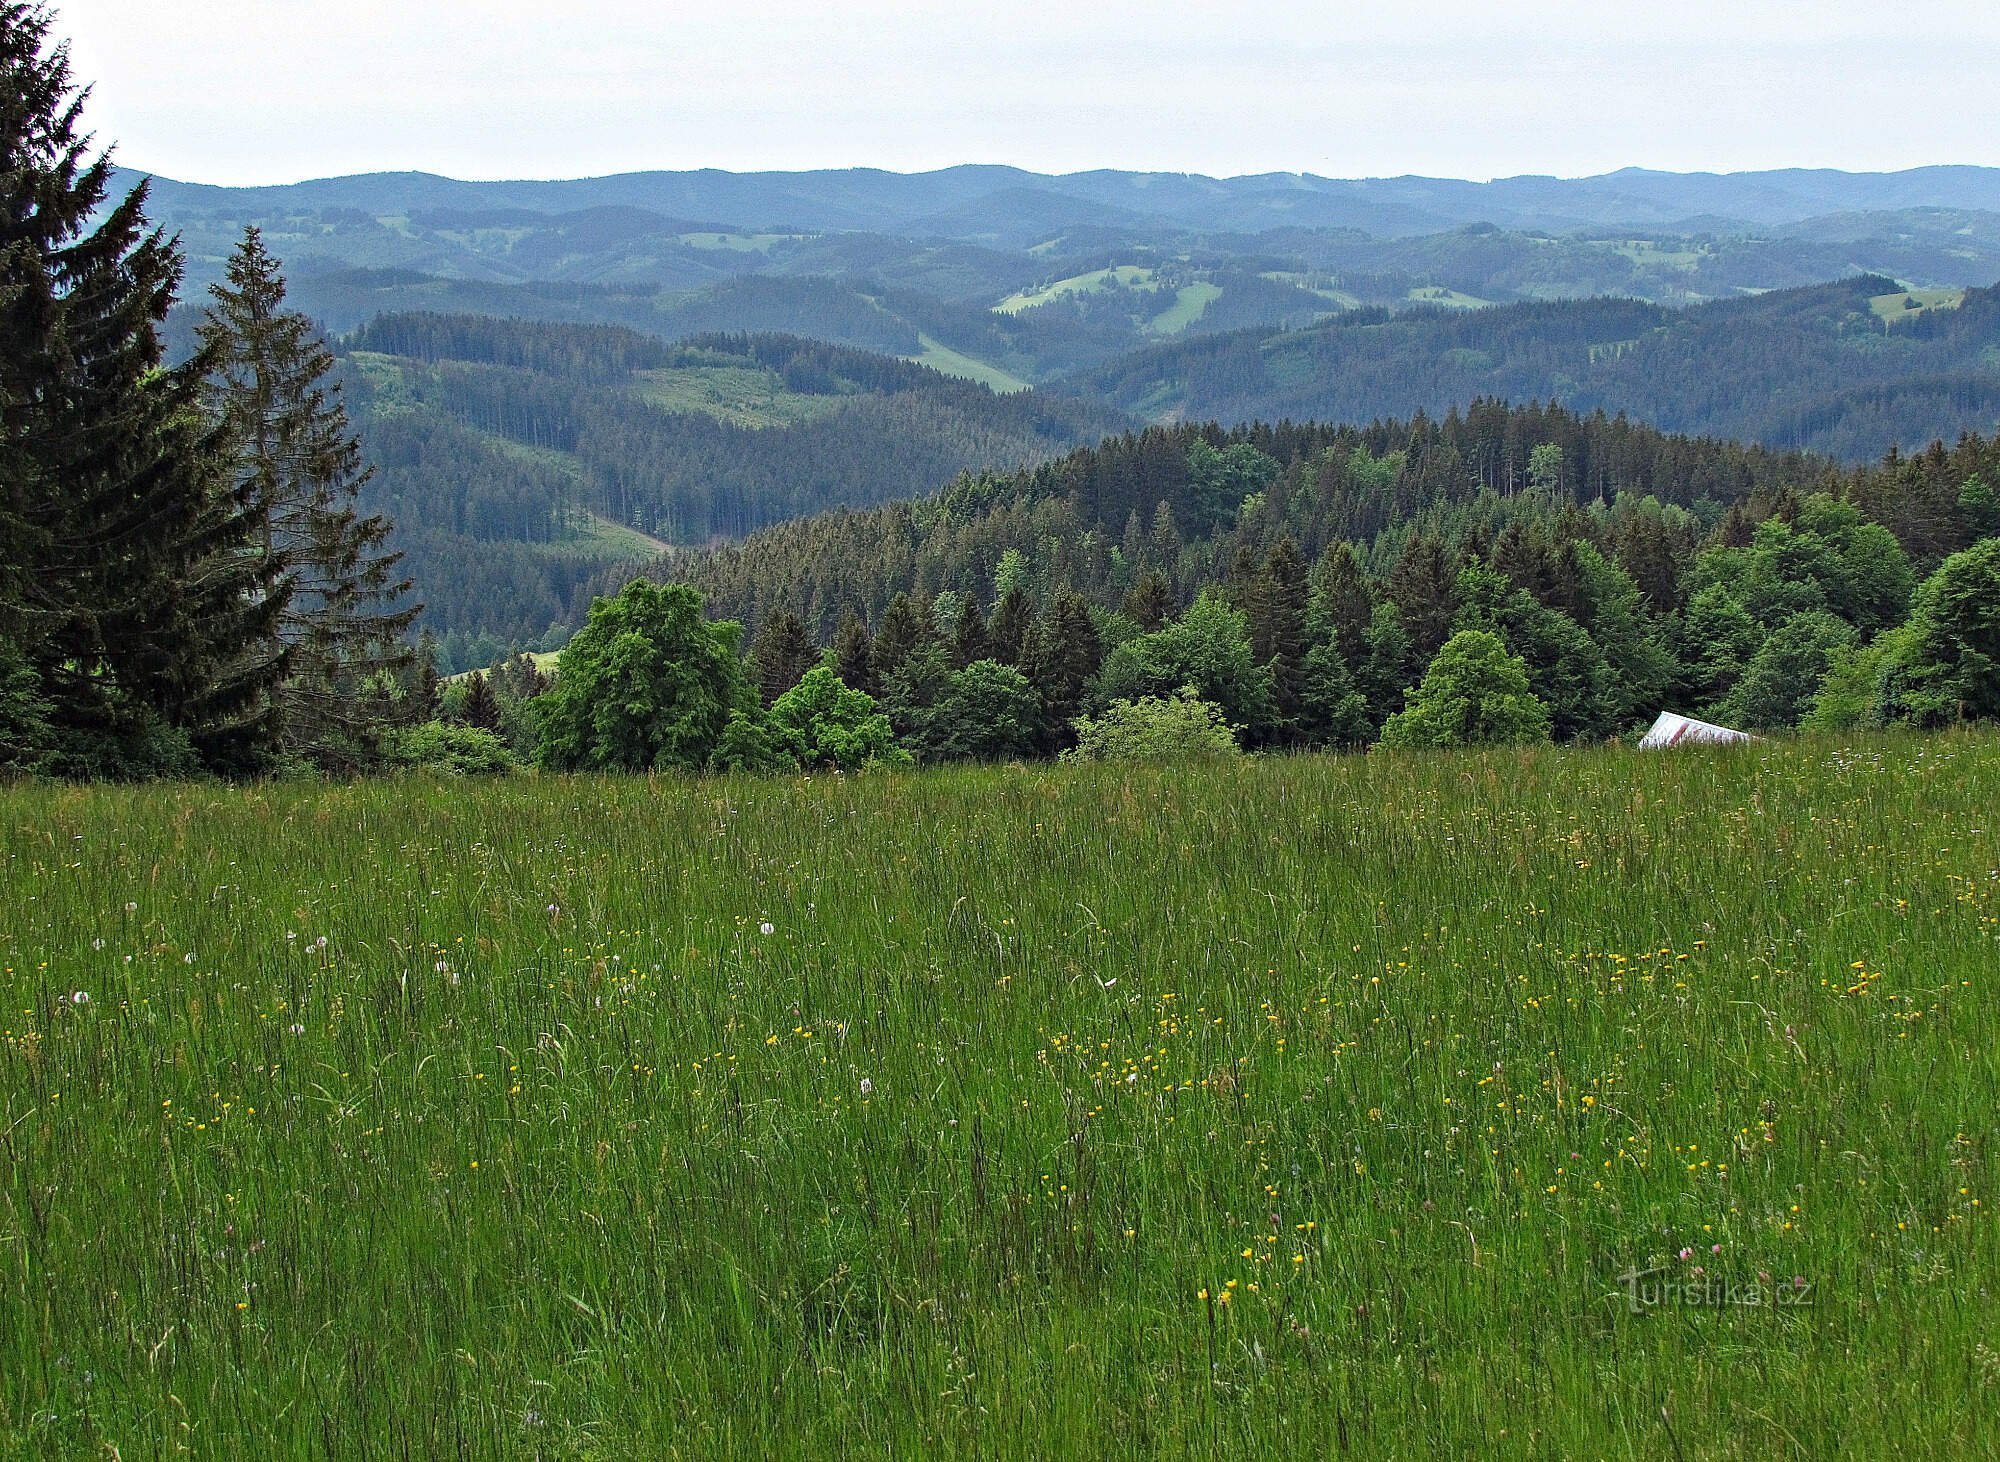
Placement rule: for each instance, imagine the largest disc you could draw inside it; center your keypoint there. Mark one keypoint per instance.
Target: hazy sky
(253, 91)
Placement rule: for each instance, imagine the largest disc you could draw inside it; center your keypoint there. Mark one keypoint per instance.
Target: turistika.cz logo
(1662, 1287)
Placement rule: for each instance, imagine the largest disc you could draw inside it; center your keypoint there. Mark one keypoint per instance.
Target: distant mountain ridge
(958, 202)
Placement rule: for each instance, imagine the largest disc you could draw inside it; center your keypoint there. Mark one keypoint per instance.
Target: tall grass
(1306, 1105)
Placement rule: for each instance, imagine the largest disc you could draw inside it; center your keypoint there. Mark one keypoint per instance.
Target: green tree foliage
(1149, 603)
(988, 712)
(1277, 611)
(852, 655)
(1423, 587)
(746, 745)
(1220, 479)
(1473, 694)
(1175, 728)
(1947, 665)
(27, 740)
(647, 683)
(456, 750)
(1981, 505)
(1013, 618)
(1713, 639)
(1566, 669)
(1207, 648)
(905, 629)
(127, 589)
(781, 654)
(969, 639)
(1828, 558)
(1332, 709)
(912, 692)
(299, 470)
(478, 706)
(1064, 655)
(822, 723)
(1780, 683)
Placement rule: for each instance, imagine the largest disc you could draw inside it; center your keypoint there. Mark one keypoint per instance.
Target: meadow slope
(1391, 1105)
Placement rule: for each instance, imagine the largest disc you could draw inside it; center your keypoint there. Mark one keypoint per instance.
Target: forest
(524, 456)
(1310, 586)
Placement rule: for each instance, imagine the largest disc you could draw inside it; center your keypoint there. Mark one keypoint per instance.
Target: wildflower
(867, 1087)
(1687, 1253)
(80, 997)
(767, 928)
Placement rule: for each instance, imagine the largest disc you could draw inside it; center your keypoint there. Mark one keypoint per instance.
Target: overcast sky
(260, 91)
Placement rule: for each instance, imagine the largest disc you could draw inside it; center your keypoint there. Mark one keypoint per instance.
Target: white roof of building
(1673, 730)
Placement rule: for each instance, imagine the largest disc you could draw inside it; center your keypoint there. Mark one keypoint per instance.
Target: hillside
(1100, 518)
(519, 460)
(1011, 278)
(1847, 369)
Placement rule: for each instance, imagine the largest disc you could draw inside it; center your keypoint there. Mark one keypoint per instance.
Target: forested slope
(520, 458)
(1848, 369)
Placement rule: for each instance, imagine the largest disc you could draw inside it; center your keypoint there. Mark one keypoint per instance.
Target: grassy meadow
(1534, 1104)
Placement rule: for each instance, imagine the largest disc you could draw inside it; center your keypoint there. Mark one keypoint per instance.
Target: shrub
(1180, 727)
(460, 751)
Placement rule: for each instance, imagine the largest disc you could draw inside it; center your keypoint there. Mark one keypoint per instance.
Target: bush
(1178, 728)
(460, 751)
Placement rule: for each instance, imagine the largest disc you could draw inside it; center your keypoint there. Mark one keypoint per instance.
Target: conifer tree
(423, 680)
(1065, 653)
(127, 591)
(1150, 602)
(479, 707)
(300, 472)
(1007, 632)
(969, 641)
(854, 655)
(781, 655)
(906, 628)
(1277, 611)
(1342, 601)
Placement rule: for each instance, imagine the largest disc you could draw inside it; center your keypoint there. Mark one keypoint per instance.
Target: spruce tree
(1277, 608)
(781, 655)
(854, 655)
(1007, 632)
(479, 706)
(905, 628)
(299, 470)
(969, 640)
(1149, 603)
(1064, 654)
(128, 593)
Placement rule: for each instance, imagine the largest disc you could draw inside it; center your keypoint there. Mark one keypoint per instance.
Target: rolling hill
(522, 459)
(1848, 369)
